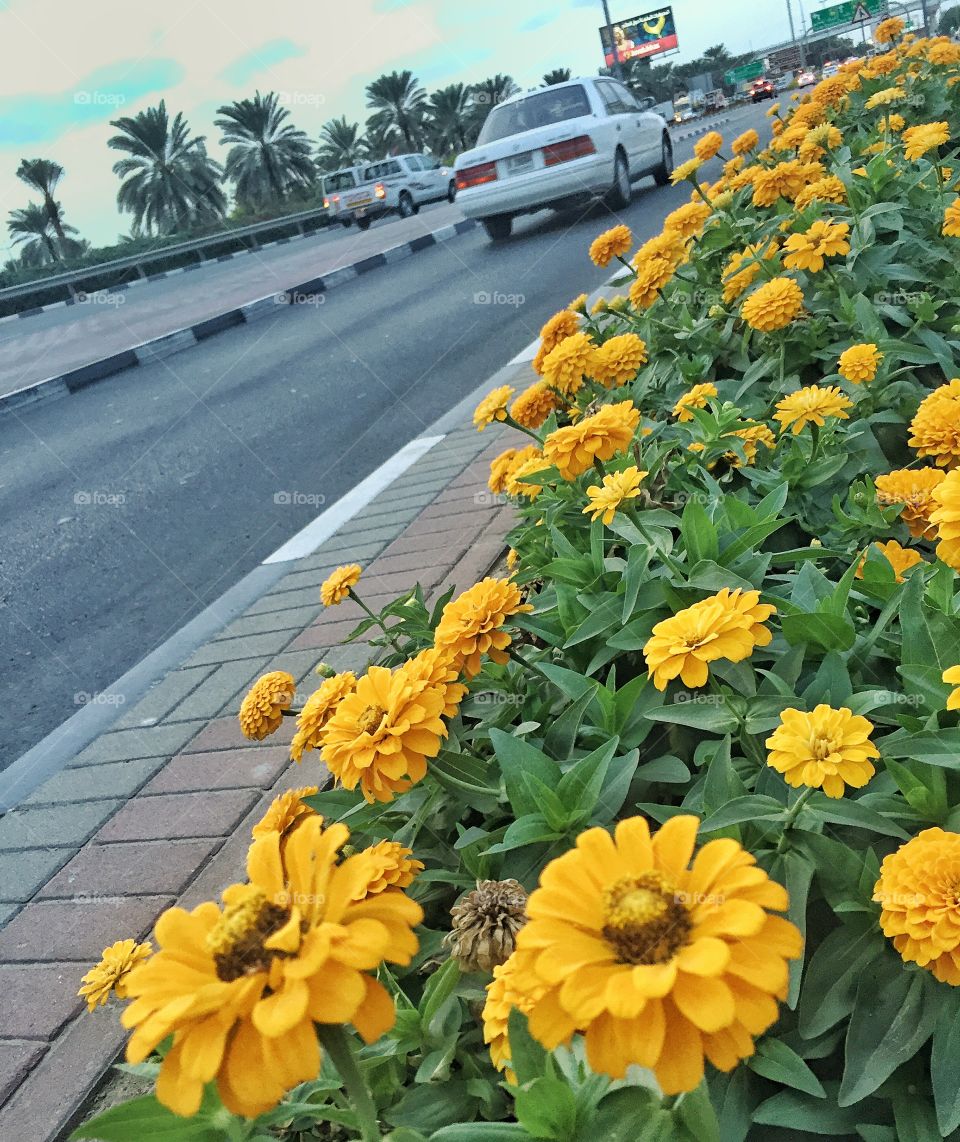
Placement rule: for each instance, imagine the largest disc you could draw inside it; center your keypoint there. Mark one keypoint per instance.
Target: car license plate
(516, 164)
(354, 202)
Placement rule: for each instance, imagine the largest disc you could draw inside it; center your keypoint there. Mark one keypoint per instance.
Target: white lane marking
(526, 354)
(307, 541)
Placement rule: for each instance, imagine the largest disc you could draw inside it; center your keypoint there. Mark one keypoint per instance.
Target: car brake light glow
(326, 203)
(476, 176)
(567, 150)
(380, 191)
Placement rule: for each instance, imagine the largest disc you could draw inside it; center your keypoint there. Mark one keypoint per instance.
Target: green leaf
(531, 829)
(915, 1118)
(706, 714)
(440, 986)
(429, 1106)
(517, 757)
(478, 1132)
(791, 1109)
(752, 807)
(623, 1115)
(698, 533)
(833, 974)
(840, 811)
(832, 632)
(694, 1115)
(560, 737)
(945, 1062)
(528, 1060)
(781, 1064)
(546, 1108)
(638, 560)
(580, 786)
(941, 748)
(551, 807)
(146, 1120)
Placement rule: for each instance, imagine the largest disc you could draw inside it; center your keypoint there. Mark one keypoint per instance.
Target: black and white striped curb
(701, 129)
(159, 347)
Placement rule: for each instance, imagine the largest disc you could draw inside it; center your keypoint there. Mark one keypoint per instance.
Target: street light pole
(617, 71)
(793, 34)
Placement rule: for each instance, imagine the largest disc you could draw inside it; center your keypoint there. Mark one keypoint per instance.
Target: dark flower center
(237, 939)
(646, 922)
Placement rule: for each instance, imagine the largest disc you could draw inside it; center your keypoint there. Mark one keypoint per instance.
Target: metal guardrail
(141, 261)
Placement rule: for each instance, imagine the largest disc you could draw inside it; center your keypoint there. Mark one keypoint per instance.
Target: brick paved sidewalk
(158, 810)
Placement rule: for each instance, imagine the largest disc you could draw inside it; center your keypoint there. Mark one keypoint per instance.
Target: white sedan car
(560, 145)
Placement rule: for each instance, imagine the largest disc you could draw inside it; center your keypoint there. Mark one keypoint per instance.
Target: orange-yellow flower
(925, 137)
(951, 219)
(745, 143)
(616, 489)
(859, 363)
(827, 749)
(688, 220)
(946, 519)
(935, 430)
(808, 251)
(317, 711)
(336, 587)
(901, 559)
(471, 626)
(617, 361)
(390, 866)
(435, 666)
(913, 488)
(568, 363)
(612, 243)
(811, 405)
(709, 146)
(952, 677)
(696, 397)
(773, 305)
(503, 995)
(562, 325)
(109, 976)
(743, 268)
(572, 450)
(261, 711)
(492, 407)
(534, 405)
(828, 189)
(887, 30)
(286, 811)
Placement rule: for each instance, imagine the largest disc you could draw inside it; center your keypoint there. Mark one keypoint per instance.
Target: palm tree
(170, 182)
(448, 118)
(487, 94)
(558, 75)
(400, 99)
(718, 54)
(33, 231)
(42, 175)
(341, 144)
(269, 157)
(381, 138)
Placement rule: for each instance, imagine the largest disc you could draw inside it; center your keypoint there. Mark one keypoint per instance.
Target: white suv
(410, 181)
(555, 147)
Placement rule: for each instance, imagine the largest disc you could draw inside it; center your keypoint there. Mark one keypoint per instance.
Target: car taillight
(380, 191)
(326, 204)
(476, 176)
(336, 198)
(567, 150)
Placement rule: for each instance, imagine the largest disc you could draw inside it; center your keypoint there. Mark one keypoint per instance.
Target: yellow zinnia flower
(568, 363)
(885, 97)
(785, 180)
(829, 189)
(435, 666)
(381, 735)
(773, 305)
(652, 275)
(109, 976)
(336, 587)
(317, 711)
(261, 711)
(811, 405)
(887, 30)
(534, 405)
(946, 519)
(612, 243)
(859, 363)
(562, 325)
(616, 489)
(727, 625)
(573, 450)
(892, 121)
(687, 170)
(752, 436)
(912, 487)
(745, 143)
(285, 812)
(696, 398)
(901, 559)
(391, 866)
(529, 460)
(241, 988)
(503, 466)
(503, 995)
(935, 430)
(925, 137)
(656, 962)
(688, 220)
(952, 677)
(617, 361)
(951, 219)
(743, 268)
(808, 251)
(709, 146)
(827, 749)
(471, 625)
(492, 407)
(918, 899)
(579, 304)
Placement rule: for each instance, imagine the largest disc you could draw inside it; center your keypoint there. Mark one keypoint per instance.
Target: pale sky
(67, 68)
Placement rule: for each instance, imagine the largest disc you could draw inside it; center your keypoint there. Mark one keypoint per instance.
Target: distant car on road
(410, 181)
(806, 79)
(761, 89)
(555, 148)
(830, 68)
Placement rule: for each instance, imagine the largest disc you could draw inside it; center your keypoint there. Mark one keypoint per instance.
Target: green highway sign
(845, 13)
(745, 72)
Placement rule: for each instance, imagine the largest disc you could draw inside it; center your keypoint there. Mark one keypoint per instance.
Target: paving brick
(23, 873)
(159, 867)
(326, 635)
(178, 815)
(280, 600)
(63, 825)
(150, 741)
(6, 911)
(251, 768)
(322, 558)
(344, 547)
(254, 646)
(17, 1058)
(389, 515)
(228, 680)
(96, 782)
(290, 618)
(78, 928)
(442, 547)
(300, 664)
(162, 697)
(432, 530)
(38, 999)
(418, 558)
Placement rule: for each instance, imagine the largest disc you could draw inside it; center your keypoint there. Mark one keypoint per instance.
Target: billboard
(642, 36)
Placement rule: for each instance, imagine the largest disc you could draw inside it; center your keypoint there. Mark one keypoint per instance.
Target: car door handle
(619, 128)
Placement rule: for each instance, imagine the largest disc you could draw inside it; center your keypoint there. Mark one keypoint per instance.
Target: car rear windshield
(538, 110)
(343, 180)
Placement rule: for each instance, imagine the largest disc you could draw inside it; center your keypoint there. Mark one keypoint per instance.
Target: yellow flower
(568, 363)
(529, 461)
(709, 146)
(382, 734)
(652, 275)
(241, 988)
(752, 436)
(951, 219)
(695, 398)
(503, 995)
(892, 121)
(913, 488)
(946, 519)
(918, 899)
(727, 625)
(286, 812)
(612, 243)
(745, 143)
(944, 54)
(687, 170)
(822, 240)
(317, 711)
(785, 180)
(616, 489)
(109, 976)
(579, 304)
(688, 220)
(336, 587)
(859, 363)
(534, 405)
(391, 866)
(887, 30)
(601, 305)
(261, 711)
(436, 667)
(773, 305)
(562, 325)
(513, 558)
(743, 268)
(925, 137)
(492, 407)
(811, 405)
(829, 189)
(901, 559)
(773, 110)
(617, 361)
(502, 466)
(828, 749)
(471, 626)
(658, 963)
(952, 677)
(935, 430)
(573, 450)
(885, 97)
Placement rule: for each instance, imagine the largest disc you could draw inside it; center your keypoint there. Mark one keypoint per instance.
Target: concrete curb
(701, 129)
(178, 339)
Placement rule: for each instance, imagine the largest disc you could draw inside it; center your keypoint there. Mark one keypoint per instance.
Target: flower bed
(655, 837)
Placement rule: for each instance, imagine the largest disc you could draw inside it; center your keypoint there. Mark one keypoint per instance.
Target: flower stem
(376, 618)
(792, 816)
(529, 665)
(338, 1047)
(508, 419)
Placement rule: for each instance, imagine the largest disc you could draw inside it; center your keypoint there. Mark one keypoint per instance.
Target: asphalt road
(127, 508)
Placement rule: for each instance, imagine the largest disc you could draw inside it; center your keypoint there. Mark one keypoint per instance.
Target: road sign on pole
(846, 13)
(743, 73)
(860, 14)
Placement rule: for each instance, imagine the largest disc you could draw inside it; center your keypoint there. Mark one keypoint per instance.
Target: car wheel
(363, 223)
(452, 191)
(662, 173)
(346, 223)
(405, 204)
(618, 197)
(498, 227)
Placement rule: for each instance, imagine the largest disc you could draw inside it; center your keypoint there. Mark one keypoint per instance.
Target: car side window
(611, 98)
(413, 162)
(626, 96)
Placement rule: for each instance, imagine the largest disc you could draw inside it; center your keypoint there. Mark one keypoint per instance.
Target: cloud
(99, 96)
(262, 59)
